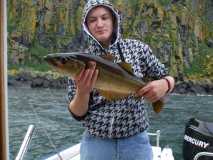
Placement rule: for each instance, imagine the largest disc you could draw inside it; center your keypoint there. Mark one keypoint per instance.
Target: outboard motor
(198, 138)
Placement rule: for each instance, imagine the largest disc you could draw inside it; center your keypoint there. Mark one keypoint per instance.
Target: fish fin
(109, 95)
(158, 105)
(127, 67)
(108, 57)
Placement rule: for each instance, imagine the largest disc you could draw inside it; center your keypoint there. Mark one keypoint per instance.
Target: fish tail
(158, 105)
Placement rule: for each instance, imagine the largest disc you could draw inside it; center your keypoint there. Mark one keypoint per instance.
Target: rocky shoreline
(181, 87)
(37, 81)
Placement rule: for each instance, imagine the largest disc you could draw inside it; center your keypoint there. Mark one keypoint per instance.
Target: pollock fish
(115, 80)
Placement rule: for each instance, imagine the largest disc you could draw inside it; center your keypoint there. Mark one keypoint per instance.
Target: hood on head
(95, 3)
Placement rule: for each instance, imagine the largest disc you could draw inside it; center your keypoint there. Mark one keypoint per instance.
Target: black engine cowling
(198, 137)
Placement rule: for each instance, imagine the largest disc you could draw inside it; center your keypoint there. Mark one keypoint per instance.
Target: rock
(23, 76)
(11, 80)
(181, 88)
(210, 43)
(37, 82)
(193, 87)
(44, 82)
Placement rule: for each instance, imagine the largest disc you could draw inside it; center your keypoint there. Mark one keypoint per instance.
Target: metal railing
(198, 155)
(25, 143)
(157, 134)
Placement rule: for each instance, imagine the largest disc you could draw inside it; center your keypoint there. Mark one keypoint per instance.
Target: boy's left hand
(154, 90)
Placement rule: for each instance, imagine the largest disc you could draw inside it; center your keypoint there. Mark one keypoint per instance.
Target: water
(56, 130)
(47, 110)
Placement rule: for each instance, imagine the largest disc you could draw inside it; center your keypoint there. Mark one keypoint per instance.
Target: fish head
(65, 63)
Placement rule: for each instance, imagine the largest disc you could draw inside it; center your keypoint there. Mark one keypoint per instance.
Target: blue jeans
(132, 148)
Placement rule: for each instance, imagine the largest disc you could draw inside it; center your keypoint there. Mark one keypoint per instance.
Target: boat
(73, 153)
(196, 131)
(3, 81)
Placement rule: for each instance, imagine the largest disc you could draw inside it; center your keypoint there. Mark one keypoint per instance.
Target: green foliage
(36, 62)
(35, 73)
(33, 58)
(164, 2)
(47, 26)
(26, 19)
(202, 65)
(42, 67)
(37, 50)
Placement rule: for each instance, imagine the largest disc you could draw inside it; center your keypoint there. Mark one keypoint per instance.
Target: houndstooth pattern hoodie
(127, 116)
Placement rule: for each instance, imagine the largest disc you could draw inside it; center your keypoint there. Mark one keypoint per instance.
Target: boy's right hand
(86, 80)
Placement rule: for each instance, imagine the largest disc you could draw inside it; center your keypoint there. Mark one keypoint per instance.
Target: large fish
(115, 81)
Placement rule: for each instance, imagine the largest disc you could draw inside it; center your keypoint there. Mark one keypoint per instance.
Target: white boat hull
(73, 153)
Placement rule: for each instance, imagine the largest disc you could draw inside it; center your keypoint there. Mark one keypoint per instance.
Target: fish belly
(109, 81)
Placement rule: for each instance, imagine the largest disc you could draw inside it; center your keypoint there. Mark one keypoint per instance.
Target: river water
(55, 129)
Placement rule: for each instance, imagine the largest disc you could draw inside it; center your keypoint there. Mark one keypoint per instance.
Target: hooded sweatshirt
(125, 117)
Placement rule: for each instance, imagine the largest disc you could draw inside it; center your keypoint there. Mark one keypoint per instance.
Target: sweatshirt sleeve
(154, 68)
(71, 94)
(71, 89)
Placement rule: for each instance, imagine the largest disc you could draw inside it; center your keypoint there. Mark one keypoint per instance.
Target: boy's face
(100, 24)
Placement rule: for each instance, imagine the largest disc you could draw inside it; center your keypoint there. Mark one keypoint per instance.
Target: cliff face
(180, 32)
